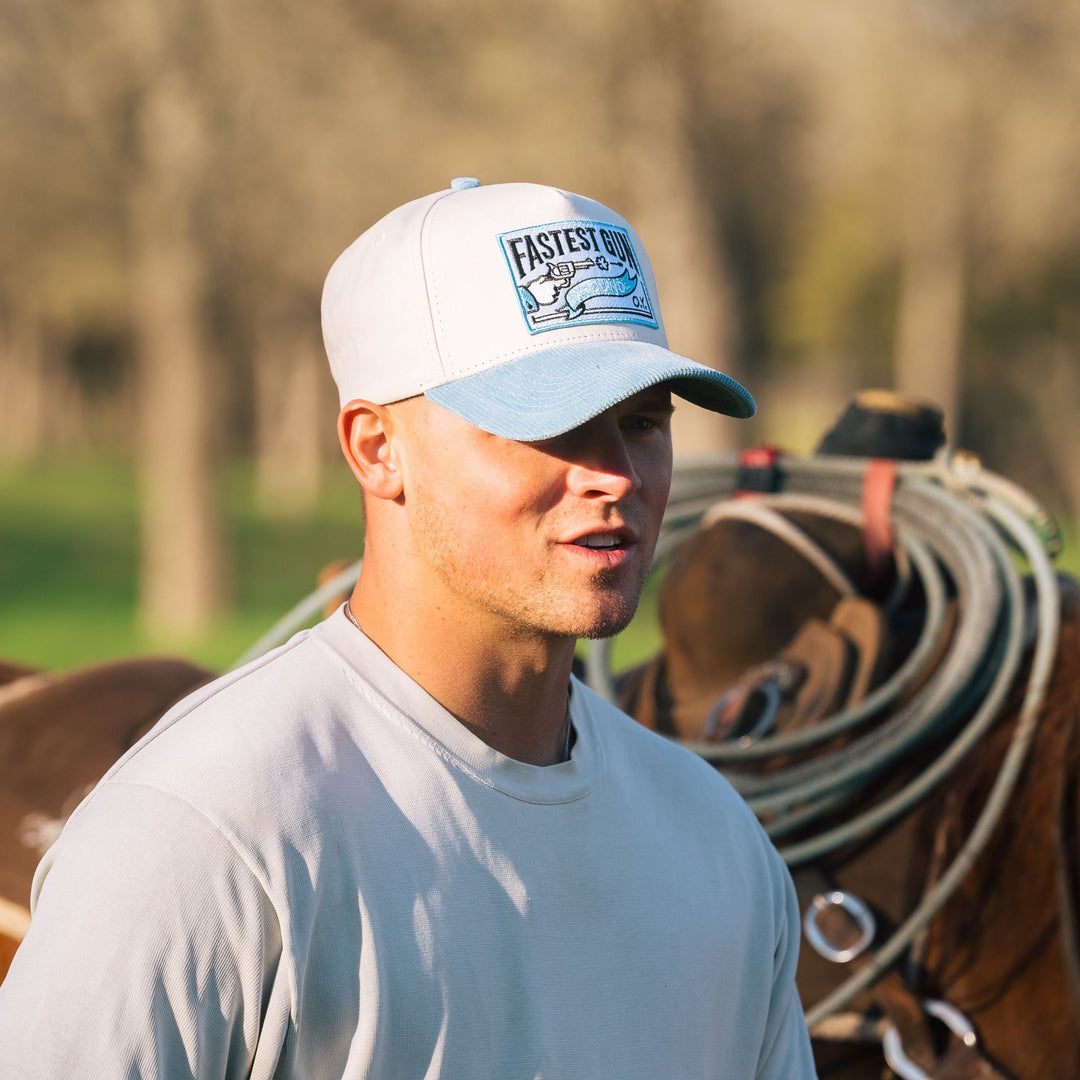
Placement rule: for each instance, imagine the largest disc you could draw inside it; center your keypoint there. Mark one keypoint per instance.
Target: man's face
(552, 538)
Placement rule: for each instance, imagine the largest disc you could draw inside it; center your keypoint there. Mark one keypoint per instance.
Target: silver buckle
(769, 688)
(859, 912)
(949, 1015)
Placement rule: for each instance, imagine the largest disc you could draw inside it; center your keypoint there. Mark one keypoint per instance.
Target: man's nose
(603, 469)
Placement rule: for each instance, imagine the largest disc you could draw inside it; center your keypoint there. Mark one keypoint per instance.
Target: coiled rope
(957, 527)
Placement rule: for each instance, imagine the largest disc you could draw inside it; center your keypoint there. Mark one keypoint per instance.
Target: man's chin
(609, 623)
(614, 609)
(596, 615)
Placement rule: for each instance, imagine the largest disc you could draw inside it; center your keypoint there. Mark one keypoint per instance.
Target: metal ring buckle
(769, 688)
(859, 912)
(949, 1015)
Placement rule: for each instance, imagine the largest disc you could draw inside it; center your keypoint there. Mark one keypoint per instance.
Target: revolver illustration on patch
(546, 288)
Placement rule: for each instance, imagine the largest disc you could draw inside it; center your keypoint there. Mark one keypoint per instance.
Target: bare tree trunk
(929, 329)
(1055, 391)
(288, 382)
(22, 383)
(182, 576)
(677, 225)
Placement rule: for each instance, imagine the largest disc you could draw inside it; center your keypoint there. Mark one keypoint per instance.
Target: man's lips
(603, 538)
(603, 545)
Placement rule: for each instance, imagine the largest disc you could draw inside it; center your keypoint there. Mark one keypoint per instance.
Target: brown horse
(59, 733)
(740, 604)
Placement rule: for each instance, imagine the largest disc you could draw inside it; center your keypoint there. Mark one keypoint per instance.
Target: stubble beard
(543, 610)
(618, 619)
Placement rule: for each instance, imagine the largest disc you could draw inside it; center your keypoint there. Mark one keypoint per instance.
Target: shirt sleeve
(152, 952)
(785, 1050)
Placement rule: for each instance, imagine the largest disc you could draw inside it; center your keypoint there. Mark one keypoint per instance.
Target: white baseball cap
(525, 310)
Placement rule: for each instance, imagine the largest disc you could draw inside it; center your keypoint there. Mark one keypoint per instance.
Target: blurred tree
(938, 170)
(934, 191)
(675, 205)
(182, 584)
(291, 402)
(22, 382)
(114, 89)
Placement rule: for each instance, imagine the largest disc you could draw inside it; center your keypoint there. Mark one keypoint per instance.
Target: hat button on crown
(463, 183)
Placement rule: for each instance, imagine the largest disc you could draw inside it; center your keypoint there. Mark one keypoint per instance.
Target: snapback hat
(524, 309)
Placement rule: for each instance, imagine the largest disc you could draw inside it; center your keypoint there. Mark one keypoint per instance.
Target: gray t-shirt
(310, 869)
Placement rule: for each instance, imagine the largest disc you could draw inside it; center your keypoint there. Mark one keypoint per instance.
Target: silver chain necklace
(569, 727)
(569, 733)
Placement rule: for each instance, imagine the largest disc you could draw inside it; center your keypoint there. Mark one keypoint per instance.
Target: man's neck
(509, 689)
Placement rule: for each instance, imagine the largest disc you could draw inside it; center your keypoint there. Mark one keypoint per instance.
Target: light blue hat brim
(549, 392)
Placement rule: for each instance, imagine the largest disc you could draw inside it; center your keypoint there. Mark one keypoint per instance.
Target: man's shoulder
(661, 765)
(240, 735)
(638, 740)
(261, 765)
(268, 692)
(683, 798)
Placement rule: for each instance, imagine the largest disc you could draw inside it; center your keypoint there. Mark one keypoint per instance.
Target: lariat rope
(953, 523)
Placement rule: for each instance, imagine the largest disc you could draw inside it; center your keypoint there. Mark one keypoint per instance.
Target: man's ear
(365, 431)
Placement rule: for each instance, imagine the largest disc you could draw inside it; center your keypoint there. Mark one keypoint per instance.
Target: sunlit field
(68, 550)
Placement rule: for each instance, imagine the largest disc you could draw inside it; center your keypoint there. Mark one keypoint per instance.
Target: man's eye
(640, 423)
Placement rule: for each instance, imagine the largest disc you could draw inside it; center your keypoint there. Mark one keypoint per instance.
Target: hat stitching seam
(436, 325)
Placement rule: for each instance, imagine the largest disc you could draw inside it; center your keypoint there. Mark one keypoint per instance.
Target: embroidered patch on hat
(575, 272)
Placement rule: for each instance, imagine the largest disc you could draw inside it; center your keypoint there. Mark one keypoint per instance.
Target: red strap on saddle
(879, 483)
(758, 473)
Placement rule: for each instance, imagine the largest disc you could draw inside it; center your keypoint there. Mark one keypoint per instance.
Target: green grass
(1068, 562)
(68, 560)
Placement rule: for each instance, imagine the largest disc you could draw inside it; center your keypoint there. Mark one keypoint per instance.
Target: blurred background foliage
(834, 194)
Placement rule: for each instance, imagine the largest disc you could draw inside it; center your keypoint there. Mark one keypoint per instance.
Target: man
(407, 843)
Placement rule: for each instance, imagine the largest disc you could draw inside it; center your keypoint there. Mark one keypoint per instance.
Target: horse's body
(1000, 949)
(996, 950)
(58, 735)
